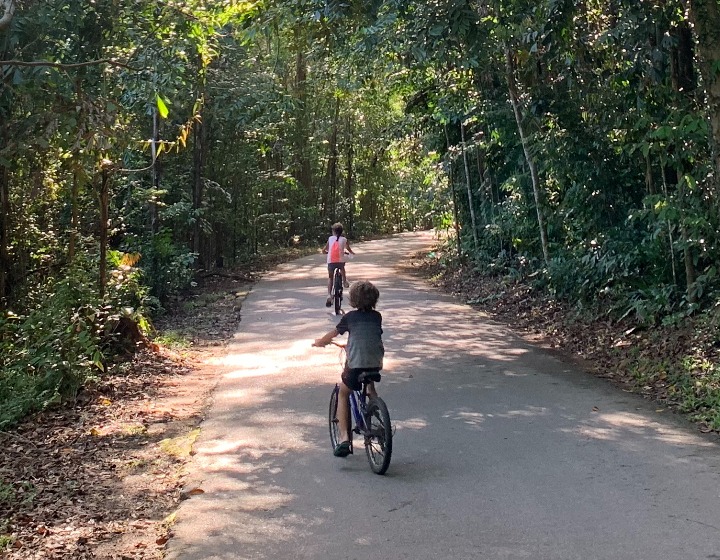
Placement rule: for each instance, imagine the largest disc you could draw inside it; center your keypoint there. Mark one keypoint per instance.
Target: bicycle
(369, 418)
(337, 291)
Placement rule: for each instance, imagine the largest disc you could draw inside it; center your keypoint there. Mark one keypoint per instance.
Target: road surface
(500, 452)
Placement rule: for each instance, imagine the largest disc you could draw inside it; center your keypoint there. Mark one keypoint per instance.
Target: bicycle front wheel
(332, 419)
(378, 439)
(338, 292)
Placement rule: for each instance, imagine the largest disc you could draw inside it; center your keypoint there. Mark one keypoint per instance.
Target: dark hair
(337, 229)
(364, 295)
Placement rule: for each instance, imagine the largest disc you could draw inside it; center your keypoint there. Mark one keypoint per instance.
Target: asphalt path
(501, 451)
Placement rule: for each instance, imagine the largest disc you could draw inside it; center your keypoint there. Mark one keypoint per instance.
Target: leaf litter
(100, 477)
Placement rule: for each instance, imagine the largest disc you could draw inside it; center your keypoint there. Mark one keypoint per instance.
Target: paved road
(501, 451)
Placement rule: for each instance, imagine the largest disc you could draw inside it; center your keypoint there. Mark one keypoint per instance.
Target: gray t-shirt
(364, 347)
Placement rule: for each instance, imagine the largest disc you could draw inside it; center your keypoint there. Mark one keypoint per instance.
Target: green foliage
(166, 268)
(47, 354)
(693, 384)
(271, 121)
(5, 541)
(7, 495)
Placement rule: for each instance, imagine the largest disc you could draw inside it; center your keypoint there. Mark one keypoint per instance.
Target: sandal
(342, 449)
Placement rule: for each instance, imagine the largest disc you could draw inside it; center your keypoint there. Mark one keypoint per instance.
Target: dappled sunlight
(269, 422)
(468, 417)
(288, 272)
(463, 393)
(529, 412)
(617, 426)
(410, 424)
(260, 360)
(250, 395)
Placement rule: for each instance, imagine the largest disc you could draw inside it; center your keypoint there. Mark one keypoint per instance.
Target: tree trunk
(690, 272)
(350, 176)
(303, 172)
(4, 227)
(74, 219)
(705, 17)
(671, 241)
(649, 183)
(333, 161)
(7, 14)
(153, 208)
(104, 200)
(683, 81)
(198, 166)
(471, 203)
(514, 99)
(682, 56)
(456, 219)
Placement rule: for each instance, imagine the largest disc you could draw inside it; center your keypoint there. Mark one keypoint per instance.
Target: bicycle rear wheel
(337, 291)
(378, 439)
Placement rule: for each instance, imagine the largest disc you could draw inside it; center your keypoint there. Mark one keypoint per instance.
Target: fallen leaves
(77, 477)
(101, 478)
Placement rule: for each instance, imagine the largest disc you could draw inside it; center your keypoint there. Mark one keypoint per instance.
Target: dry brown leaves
(101, 477)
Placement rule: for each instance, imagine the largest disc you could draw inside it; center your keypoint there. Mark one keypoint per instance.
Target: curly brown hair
(364, 295)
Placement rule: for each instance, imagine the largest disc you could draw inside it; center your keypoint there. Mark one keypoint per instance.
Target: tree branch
(8, 13)
(108, 61)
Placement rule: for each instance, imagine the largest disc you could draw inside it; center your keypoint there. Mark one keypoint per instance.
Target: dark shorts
(333, 266)
(350, 377)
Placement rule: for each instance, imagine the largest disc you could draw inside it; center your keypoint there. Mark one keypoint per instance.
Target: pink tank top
(336, 251)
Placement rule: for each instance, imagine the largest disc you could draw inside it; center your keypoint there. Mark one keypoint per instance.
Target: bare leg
(371, 390)
(342, 412)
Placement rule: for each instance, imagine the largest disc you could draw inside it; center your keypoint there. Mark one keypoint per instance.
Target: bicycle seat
(369, 375)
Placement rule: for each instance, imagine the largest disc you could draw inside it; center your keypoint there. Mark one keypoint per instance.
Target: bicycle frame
(357, 407)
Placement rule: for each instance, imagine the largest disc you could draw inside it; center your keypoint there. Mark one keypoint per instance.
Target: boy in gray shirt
(365, 351)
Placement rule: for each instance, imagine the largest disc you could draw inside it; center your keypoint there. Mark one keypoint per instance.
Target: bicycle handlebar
(331, 342)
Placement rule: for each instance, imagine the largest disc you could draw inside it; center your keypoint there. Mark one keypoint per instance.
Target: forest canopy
(576, 143)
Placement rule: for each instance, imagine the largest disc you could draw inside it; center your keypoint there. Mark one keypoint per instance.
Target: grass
(7, 493)
(5, 541)
(173, 340)
(180, 446)
(692, 384)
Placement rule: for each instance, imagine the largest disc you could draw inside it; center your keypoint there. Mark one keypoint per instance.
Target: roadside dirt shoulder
(100, 478)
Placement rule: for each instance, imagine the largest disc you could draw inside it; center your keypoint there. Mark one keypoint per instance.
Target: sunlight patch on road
(410, 424)
(529, 412)
(471, 418)
(261, 361)
(617, 425)
(251, 395)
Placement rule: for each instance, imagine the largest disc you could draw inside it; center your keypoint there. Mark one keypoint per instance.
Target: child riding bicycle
(335, 249)
(365, 351)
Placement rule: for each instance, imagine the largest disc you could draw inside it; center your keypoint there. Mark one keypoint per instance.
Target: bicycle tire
(378, 439)
(332, 419)
(334, 424)
(337, 291)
